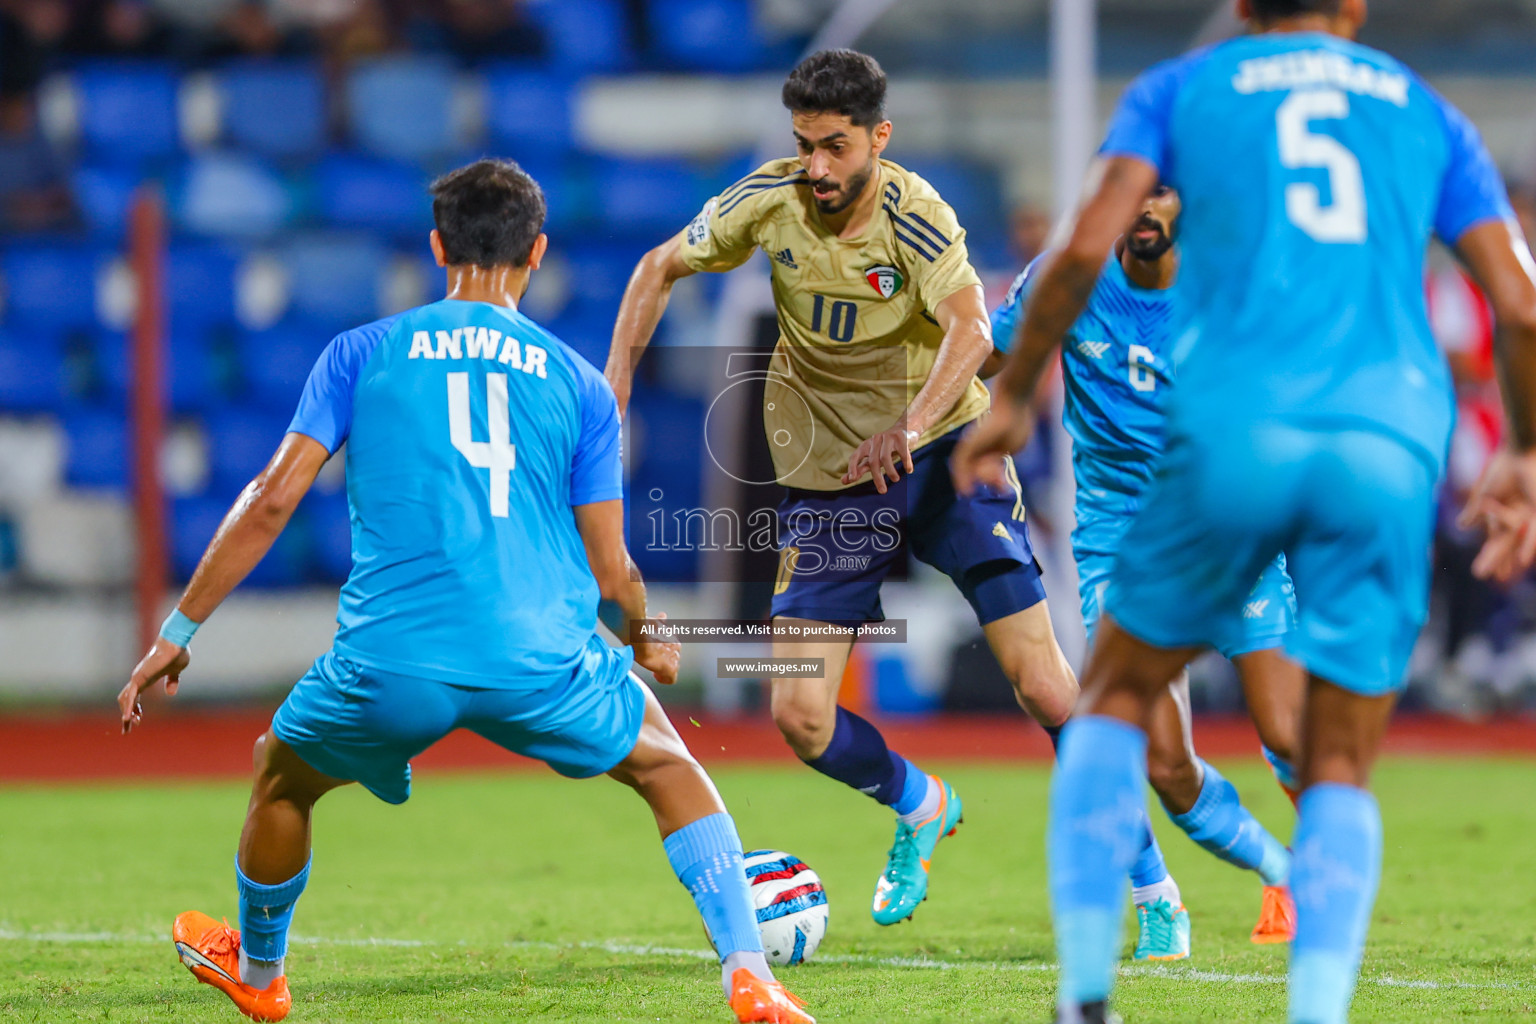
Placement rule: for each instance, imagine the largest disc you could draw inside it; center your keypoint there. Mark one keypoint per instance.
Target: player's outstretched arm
(601, 525)
(645, 299)
(1504, 500)
(966, 345)
(242, 540)
(1116, 188)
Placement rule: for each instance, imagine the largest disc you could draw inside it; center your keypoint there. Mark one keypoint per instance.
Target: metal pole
(1073, 79)
(146, 242)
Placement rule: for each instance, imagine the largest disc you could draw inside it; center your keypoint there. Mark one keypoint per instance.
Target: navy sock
(858, 757)
(265, 913)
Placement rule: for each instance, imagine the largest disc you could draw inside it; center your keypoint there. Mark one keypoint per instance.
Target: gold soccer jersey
(857, 333)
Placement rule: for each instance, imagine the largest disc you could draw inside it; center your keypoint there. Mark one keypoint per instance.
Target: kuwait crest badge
(885, 280)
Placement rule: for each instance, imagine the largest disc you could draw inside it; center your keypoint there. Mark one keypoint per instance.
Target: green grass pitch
(527, 896)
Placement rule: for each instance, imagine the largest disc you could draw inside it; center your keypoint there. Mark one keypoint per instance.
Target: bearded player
(1312, 416)
(882, 329)
(1117, 367)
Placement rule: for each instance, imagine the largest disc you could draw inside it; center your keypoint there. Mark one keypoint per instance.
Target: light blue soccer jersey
(1117, 371)
(1305, 157)
(471, 432)
(1116, 368)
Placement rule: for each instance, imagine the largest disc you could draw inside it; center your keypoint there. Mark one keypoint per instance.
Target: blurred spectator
(248, 28)
(30, 31)
(118, 28)
(347, 30)
(1029, 227)
(33, 192)
(472, 29)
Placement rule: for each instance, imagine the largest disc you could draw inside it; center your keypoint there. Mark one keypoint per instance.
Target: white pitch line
(1162, 971)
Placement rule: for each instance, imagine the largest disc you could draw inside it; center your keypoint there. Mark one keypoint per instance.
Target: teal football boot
(904, 883)
(1164, 931)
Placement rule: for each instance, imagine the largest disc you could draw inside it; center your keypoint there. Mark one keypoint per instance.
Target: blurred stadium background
(288, 142)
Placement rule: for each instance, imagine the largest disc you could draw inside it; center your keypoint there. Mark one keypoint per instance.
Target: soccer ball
(791, 905)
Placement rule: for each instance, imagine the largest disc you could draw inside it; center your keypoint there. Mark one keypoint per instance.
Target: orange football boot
(766, 1002)
(211, 951)
(1277, 919)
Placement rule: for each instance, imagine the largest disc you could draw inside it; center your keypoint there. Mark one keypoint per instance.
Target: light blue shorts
(1269, 610)
(1353, 509)
(362, 724)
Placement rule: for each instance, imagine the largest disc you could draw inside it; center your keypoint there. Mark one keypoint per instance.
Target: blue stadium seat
(331, 526)
(276, 108)
(975, 192)
(193, 522)
(706, 35)
(201, 279)
(402, 107)
(585, 35)
(99, 453)
(50, 286)
(241, 440)
(231, 194)
(380, 195)
(192, 382)
(528, 111)
(33, 376)
(334, 278)
(600, 270)
(567, 192)
(275, 363)
(587, 330)
(646, 197)
(675, 470)
(128, 111)
(103, 195)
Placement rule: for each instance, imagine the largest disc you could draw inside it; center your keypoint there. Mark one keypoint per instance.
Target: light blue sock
(1336, 869)
(265, 913)
(914, 788)
(706, 855)
(1222, 825)
(1098, 813)
(1285, 772)
(1150, 868)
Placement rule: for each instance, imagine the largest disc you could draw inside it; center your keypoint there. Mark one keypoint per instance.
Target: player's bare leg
(1338, 846)
(275, 841)
(705, 851)
(1274, 687)
(663, 771)
(1043, 682)
(805, 709)
(846, 747)
(272, 870)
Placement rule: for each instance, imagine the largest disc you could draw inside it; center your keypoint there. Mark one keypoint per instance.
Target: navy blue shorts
(836, 547)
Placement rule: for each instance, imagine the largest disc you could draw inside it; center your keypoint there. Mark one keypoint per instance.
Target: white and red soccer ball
(791, 905)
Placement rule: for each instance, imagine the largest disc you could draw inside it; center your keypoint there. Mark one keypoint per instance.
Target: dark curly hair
(843, 81)
(488, 213)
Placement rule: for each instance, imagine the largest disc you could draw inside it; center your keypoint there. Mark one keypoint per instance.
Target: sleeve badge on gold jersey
(885, 280)
(698, 228)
